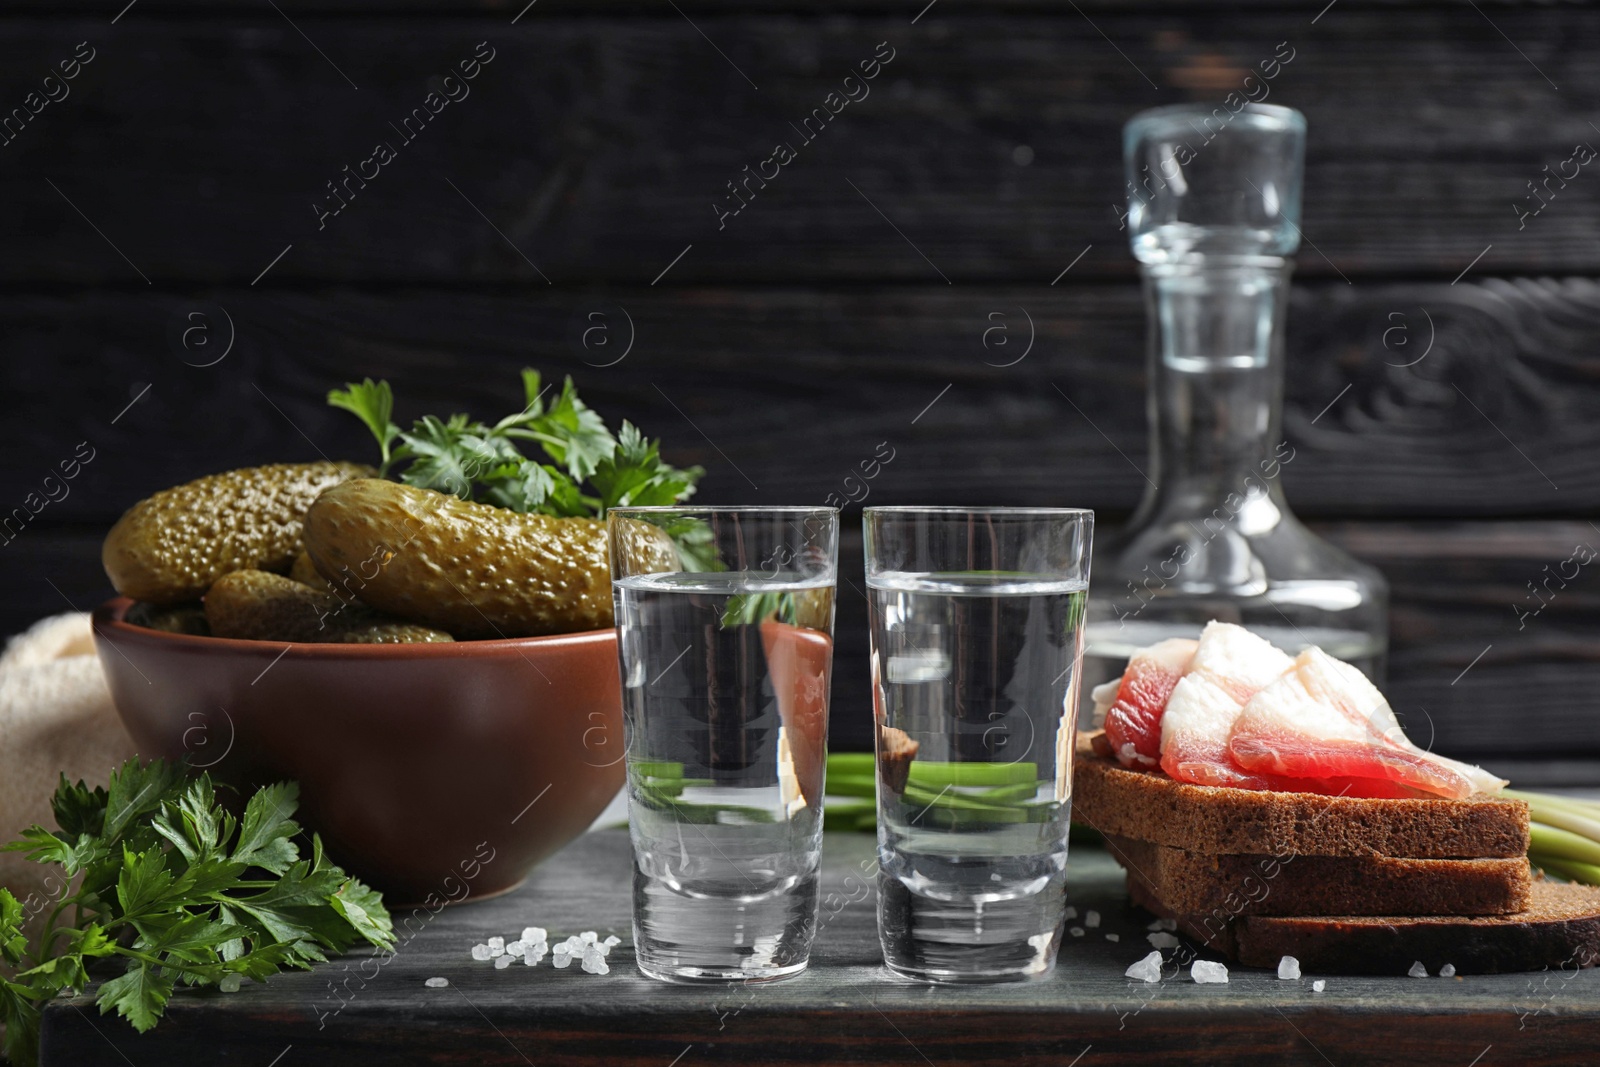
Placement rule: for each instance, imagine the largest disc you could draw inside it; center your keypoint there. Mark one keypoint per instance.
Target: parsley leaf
(582, 441)
(177, 890)
(362, 907)
(145, 880)
(139, 995)
(79, 809)
(265, 835)
(636, 476)
(584, 470)
(373, 404)
(137, 790)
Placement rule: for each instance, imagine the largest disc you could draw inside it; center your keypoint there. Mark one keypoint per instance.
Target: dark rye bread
(1149, 806)
(1197, 883)
(1559, 930)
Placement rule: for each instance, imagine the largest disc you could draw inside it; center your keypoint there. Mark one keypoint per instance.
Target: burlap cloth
(55, 717)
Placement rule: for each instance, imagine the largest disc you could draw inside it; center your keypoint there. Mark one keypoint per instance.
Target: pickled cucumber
(305, 572)
(261, 606)
(172, 546)
(179, 619)
(643, 548)
(473, 569)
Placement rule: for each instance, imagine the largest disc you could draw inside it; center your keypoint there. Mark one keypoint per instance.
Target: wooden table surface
(846, 1009)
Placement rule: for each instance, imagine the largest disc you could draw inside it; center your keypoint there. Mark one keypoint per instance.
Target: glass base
(690, 975)
(724, 938)
(969, 941)
(944, 977)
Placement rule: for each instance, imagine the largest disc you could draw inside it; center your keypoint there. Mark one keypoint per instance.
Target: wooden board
(594, 148)
(845, 1010)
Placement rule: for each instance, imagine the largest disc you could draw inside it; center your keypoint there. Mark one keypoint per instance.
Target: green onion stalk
(941, 794)
(1565, 839)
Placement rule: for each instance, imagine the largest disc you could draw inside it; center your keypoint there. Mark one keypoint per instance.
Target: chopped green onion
(656, 768)
(1007, 794)
(938, 773)
(851, 785)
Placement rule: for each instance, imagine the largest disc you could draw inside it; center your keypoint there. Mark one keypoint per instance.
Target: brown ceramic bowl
(432, 771)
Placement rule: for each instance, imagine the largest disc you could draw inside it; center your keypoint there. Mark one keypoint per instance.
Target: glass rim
(947, 509)
(1278, 115)
(767, 509)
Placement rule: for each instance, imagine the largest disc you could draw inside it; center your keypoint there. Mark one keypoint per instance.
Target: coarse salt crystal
(1076, 931)
(516, 948)
(497, 946)
(560, 960)
(1113, 937)
(229, 983)
(1162, 940)
(480, 952)
(1147, 969)
(1091, 919)
(1070, 913)
(1447, 971)
(588, 937)
(1289, 968)
(613, 941)
(1205, 971)
(502, 961)
(1318, 986)
(437, 983)
(1418, 970)
(530, 934)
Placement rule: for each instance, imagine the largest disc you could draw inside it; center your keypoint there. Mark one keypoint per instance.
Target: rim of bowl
(109, 618)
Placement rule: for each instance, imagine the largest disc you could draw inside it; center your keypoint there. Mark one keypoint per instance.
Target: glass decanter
(1213, 215)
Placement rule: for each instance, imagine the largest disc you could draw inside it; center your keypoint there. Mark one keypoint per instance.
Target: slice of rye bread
(1149, 806)
(1559, 930)
(1197, 883)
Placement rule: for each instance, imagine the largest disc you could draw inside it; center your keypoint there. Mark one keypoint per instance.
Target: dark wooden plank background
(780, 350)
(599, 144)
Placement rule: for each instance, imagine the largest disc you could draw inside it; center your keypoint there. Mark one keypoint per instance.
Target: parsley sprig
(589, 469)
(172, 886)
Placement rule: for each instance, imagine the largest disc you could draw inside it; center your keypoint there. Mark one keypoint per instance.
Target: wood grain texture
(782, 394)
(845, 1009)
(1492, 643)
(595, 147)
(509, 9)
